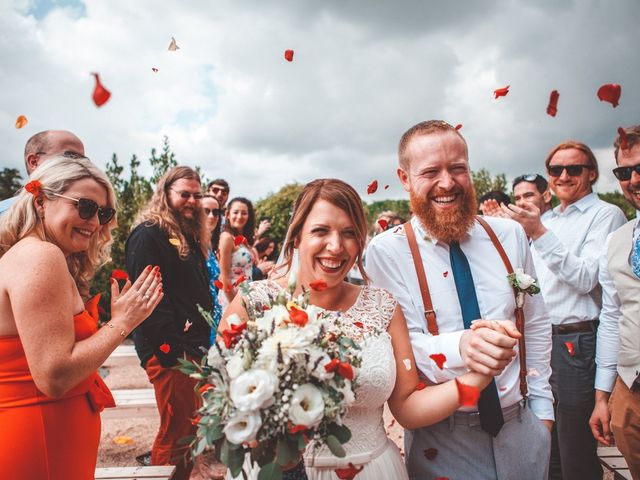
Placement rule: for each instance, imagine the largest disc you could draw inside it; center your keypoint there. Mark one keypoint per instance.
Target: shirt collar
(583, 204)
(422, 232)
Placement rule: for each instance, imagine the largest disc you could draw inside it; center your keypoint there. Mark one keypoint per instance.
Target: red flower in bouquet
(231, 334)
(297, 316)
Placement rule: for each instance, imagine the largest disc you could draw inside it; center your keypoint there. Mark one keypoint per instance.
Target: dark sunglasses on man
(187, 195)
(572, 170)
(67, 154)
(87, 208)
(624, 173)
(218, 190)
(216, 212)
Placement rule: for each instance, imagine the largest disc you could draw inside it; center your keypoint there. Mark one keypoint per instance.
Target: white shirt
(608, 342)
(566, 258)
(390, 265)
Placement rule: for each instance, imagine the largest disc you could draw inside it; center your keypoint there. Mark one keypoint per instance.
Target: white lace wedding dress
(369, 447)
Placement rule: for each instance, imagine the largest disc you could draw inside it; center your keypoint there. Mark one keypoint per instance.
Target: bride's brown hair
(337, 193)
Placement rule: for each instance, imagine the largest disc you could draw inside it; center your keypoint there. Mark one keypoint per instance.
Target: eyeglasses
(218, 190)
(66, 154)
(187, 195)
(216, 212)
(624, 173)
(87, 208)
(572, 170)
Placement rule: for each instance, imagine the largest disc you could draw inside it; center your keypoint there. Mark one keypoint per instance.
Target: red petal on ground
(288, 55)
(372, 187)
(501, 92)
(552, 108)
(467, 394)
(610, 93)
(439, 359)
(100, 94)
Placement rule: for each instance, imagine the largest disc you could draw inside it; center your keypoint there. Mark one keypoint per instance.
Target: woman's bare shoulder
(32, 257)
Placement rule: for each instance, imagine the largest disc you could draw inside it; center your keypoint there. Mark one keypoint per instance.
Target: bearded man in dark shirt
(171, 234)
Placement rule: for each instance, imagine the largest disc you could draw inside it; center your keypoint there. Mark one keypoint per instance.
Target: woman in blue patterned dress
(212, 212)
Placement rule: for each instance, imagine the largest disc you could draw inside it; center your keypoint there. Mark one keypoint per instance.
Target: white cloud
(363, 72)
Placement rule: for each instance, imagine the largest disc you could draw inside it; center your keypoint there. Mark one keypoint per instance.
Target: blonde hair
(56, 175)
(158, 212)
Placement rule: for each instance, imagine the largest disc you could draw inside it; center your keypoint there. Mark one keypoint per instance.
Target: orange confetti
(175, 242)
(122, 440)
(173, 46)
(501, 92)
(21, 121)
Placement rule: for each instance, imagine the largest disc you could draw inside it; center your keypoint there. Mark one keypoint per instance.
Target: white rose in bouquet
(214, 359)
(243, 427)
(235, 366)
(317, 360)
(277, 314)
(307, 406)
(292, 341)
(524, 280)
(253, 389)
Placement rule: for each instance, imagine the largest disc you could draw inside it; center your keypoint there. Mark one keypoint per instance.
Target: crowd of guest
(191, 249)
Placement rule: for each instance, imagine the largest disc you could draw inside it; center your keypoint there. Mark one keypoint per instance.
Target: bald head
(49, 143)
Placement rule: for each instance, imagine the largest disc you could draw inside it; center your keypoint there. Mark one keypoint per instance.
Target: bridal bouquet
(274, 383)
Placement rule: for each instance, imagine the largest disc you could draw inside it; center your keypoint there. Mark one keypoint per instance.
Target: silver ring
(146, 297)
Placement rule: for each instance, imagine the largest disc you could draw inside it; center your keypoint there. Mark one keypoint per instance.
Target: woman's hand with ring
(136, 301)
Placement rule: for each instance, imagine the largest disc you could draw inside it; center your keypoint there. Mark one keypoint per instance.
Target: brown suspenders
(430, 314)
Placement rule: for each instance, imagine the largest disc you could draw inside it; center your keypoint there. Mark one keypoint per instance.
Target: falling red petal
(458, 126)
(298, 317)
(624, 142)
(21, 121)
(439, 359)
(318, 285)
(297, 428)
(610, 93)
(348, 473)
(552, 108)
(155, 70)
(100, 94)
(359, 324)
(239, 240)
(467, 394)
(501, 92)
(119, 274)
(240, 279)
(421, 386)
(165, 348)
(570, 349)
(431, 453)
(218, 284)
(372, 187)
(445, 274)
(383, 223)
(386, 187)
(288, 55)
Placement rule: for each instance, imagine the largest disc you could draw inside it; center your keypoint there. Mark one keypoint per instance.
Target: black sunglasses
(572, 170)
(67, 154)
(216, 212)
(624, 173)
(87, 208)
(219, 189)
(187, 195)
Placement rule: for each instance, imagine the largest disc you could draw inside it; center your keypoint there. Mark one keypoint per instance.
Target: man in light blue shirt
(44, 145)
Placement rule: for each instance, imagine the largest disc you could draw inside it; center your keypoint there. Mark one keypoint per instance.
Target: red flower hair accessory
(34, 187)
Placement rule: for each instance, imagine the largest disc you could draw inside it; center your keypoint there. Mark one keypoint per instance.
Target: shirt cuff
(450, 346)
(546, 242)
(542, 408)
(605, 379)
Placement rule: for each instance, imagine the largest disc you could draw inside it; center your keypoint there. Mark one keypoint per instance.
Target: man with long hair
(446, 271)
(171, 234)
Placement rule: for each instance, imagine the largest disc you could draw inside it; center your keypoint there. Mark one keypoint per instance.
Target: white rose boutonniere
(522, 283)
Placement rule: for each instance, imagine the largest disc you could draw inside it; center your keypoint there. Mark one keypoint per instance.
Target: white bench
(612, 460)
(138, 402)
(136, 473)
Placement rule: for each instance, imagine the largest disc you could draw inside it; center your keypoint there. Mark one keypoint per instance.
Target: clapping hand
(491, 208)
(528, 216)
(135, 302)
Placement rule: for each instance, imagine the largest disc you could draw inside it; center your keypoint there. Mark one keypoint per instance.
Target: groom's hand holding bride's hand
(488, 347)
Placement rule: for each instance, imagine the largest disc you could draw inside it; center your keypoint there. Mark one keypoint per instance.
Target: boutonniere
(522, 283)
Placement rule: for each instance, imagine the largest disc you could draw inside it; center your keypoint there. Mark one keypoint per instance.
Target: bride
(328, 228)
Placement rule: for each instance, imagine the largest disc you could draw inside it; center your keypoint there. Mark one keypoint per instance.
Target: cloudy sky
(363, 72)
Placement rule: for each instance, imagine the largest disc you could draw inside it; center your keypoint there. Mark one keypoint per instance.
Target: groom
(465, 278)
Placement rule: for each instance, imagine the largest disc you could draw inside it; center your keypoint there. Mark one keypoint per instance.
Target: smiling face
(631, 188)
(190, 206)
(210, 204)
(62, 223)
(570, 189)
(438, 179)
(327, 245)
(238, 215)
(527, 192)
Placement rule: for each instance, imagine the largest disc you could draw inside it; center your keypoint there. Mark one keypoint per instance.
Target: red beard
(448, 226)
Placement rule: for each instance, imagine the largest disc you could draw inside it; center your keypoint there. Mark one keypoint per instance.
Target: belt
(472, 419)
(577, 327)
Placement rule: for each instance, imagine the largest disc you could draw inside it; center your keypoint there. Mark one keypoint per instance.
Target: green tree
(618, 199)
(164, 162)
(484, 182)
(10, 182)
(277, 207)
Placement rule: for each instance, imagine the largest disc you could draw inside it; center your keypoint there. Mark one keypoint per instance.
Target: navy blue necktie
(491, 419)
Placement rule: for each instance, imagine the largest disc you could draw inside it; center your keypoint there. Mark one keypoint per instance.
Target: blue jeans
(572, 382)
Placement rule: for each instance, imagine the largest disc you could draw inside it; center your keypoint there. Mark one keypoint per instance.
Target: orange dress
(43, 438)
